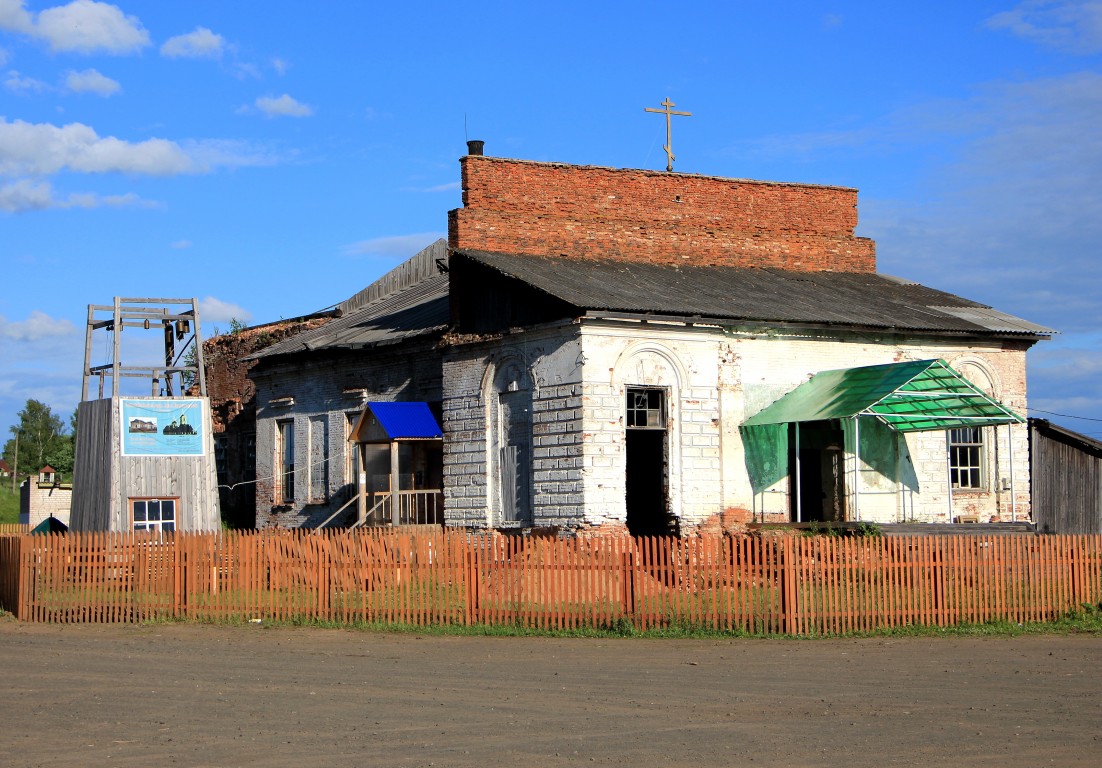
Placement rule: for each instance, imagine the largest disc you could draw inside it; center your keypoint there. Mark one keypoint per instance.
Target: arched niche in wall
(974, 451)
(650, 378)
(507, 393)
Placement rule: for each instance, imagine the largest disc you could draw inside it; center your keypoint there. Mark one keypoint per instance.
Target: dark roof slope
(866, 300)
(408, 301)
(417, 310)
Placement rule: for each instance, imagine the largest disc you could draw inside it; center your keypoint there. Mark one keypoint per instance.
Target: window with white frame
(966, 458)
(351, 450)
(285, 461)
(154, 514)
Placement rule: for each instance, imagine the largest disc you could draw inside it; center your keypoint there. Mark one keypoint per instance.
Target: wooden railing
(783, 584)
(414, 508)
(333, 516)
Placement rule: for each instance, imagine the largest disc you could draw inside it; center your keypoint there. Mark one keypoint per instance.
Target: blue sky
(272, 158)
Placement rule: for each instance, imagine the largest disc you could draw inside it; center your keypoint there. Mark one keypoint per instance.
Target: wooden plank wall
(784, 584)
(94, 469)
(104, 480)
(1067, 486)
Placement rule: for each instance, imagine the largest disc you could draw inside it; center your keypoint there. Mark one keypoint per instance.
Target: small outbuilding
(1066, 469)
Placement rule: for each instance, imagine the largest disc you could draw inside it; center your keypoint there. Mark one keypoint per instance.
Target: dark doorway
(821, 476)
(647, 475)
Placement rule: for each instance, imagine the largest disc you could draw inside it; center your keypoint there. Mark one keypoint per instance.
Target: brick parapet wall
(522, 207)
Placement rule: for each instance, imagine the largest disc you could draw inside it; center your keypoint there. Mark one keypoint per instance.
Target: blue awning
(384, 422)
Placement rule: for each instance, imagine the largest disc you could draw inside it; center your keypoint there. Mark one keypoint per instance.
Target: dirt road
(260, 696)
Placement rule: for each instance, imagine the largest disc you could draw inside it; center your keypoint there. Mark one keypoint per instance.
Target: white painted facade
(714, 379)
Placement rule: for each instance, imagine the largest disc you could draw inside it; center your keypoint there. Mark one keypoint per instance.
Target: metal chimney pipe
(475, 147)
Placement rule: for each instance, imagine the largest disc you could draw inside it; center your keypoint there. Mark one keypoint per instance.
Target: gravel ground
(88, 695)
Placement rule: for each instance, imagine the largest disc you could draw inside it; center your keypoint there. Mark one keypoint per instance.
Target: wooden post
(395, 515)
(116, 331)
(361, 485)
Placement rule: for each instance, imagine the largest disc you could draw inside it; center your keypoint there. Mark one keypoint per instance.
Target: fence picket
(773, 584)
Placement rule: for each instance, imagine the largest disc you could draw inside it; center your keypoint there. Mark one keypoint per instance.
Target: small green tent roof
(50, 525)
(918, 396)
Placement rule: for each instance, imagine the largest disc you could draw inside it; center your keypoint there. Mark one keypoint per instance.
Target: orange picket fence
(781, 584)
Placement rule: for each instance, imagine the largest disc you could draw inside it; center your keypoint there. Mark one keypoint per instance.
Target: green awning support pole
(949, 475)
(857, 468)
(1010, 451)
(799, 501)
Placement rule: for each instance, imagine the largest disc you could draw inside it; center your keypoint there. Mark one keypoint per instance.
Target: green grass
(1086, 620)
(9, 504)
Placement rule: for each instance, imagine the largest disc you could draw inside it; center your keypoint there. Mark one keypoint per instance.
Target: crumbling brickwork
(514, 206)
(233, 410)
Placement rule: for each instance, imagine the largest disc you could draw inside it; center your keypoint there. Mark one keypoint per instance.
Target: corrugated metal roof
(417, 310)
(758, 295)
(994, 319)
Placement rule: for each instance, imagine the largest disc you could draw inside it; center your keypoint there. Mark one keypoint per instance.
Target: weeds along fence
(782, 584)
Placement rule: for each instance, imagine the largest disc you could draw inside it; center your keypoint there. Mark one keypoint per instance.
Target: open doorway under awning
(406, 439)
(914, 396)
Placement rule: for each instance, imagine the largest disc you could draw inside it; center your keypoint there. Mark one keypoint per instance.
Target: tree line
(43, 438)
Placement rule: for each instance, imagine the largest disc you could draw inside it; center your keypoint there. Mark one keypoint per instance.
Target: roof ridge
(422, 266)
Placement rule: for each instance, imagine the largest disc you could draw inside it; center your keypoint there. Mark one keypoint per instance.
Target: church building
(609, 349)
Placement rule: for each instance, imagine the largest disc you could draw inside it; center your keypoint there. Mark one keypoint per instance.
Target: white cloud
(25, 195)
(16, 83)
(245, 70)
(14, 17)
(81, 26)
(29, 195)
(37, 327)
(1069, 25)
(283, 106)
(279, 65)
(180, 245)
(4, 54)
(398, 246)
(212, 310)
(229, 153)
(451, 186)
(200, 44)
(92, 200)
(42, 148)
(91, 81)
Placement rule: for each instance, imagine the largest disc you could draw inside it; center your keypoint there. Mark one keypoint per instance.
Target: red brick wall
(516, 206)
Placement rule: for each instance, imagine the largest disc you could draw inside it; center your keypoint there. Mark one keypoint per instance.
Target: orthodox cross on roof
(667, 111)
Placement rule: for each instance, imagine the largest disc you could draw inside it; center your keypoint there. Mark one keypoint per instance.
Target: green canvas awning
(918, 396)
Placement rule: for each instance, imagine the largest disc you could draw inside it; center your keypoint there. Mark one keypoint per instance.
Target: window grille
(646, 408)
(966, 457)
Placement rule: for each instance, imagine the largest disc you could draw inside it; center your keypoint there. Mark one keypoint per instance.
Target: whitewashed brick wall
(716, 380)
(38, 501)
